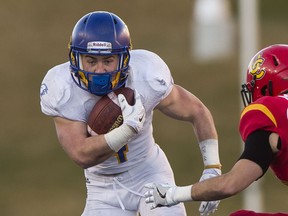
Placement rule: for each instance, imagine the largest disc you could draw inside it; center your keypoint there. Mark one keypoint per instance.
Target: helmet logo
(43, 89)
(96, 46)
(255, 68)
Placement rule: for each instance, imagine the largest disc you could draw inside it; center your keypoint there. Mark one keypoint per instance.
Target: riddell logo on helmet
(255, 67)
(98, 45)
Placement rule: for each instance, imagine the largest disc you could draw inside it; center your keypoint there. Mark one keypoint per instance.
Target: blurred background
(38, 179)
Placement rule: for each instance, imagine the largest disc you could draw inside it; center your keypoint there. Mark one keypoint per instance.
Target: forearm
(210, 189)
(87, 151)
(203, 124)
(207, 137)
(243, 174)
(84, 151)
(98, 148)
(96, 151)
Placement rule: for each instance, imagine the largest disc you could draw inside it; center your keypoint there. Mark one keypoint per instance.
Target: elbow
(83, 160)
(83, 164)
(86, 159)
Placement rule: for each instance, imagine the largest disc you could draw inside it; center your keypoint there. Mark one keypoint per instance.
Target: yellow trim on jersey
(261, 108)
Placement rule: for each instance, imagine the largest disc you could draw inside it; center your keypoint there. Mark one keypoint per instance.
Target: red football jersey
(270, 114)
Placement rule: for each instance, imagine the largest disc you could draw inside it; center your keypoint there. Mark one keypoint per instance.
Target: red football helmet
(267, 74)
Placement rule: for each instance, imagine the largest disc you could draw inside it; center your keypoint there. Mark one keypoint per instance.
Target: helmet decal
(97, 46)
(256, 68)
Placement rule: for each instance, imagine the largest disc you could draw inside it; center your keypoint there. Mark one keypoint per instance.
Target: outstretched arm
(244, 173)
(260, 148)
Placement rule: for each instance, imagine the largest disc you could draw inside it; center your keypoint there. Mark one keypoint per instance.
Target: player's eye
(108, 62)
(92, 62)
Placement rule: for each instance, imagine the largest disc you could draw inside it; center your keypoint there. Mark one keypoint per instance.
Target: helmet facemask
(99, 83)
(247, 92)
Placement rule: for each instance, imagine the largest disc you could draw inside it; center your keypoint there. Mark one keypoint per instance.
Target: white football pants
(122, 194)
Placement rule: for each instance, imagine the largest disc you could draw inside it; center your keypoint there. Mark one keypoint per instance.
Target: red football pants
(252, 213)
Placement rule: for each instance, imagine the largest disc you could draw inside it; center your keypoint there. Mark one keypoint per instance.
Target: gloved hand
(160, 195)
(209, 207)
(133, 121)
(167, 195)
(134, 116)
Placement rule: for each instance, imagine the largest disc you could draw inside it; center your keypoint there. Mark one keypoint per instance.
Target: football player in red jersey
(263, 128)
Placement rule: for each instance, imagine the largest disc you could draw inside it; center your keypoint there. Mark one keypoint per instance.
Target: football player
(117, 165)
(263, 127)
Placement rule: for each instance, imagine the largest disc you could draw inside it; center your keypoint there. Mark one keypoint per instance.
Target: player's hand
(134, 116)
(209, 207)
(160, 195)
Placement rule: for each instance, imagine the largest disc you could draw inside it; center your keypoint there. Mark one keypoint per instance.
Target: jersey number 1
(121, 154)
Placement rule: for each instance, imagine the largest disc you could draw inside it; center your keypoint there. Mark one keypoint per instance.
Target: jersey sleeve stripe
(263, 109)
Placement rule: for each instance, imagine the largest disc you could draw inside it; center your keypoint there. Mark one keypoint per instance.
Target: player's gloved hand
(209, 207)
(166, 195)
(133, 121)
(134, 116)
(160, 195)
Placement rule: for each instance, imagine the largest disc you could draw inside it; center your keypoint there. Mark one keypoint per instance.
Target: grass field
(37, 178)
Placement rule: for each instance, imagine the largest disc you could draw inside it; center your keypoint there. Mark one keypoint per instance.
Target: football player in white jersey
(118, 164)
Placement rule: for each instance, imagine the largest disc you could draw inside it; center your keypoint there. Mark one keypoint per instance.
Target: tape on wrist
(183, 194)
(119, 137)
(210, 154)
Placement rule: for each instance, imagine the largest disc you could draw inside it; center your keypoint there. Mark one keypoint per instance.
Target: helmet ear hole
(276, 62)
(267, 89)
(264, 90)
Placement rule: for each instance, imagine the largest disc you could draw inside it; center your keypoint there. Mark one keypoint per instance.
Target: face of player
(99, 64)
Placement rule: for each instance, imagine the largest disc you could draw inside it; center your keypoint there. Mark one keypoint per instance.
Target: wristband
(210, 155)
(183, 194)
(214, 166)
(119, 137)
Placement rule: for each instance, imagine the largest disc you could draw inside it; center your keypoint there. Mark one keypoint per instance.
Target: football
(106, 113)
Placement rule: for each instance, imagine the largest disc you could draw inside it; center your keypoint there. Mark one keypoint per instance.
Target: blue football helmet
(100, 33)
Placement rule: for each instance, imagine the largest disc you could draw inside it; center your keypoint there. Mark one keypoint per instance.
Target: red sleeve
(256, 117)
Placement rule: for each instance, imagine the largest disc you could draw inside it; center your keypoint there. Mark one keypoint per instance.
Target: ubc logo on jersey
(255, 67)
(95, 46)
(43, 89)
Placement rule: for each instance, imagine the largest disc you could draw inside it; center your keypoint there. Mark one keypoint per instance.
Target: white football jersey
(148, 73)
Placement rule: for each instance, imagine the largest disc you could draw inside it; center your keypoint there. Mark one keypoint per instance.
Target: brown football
(106, 113)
